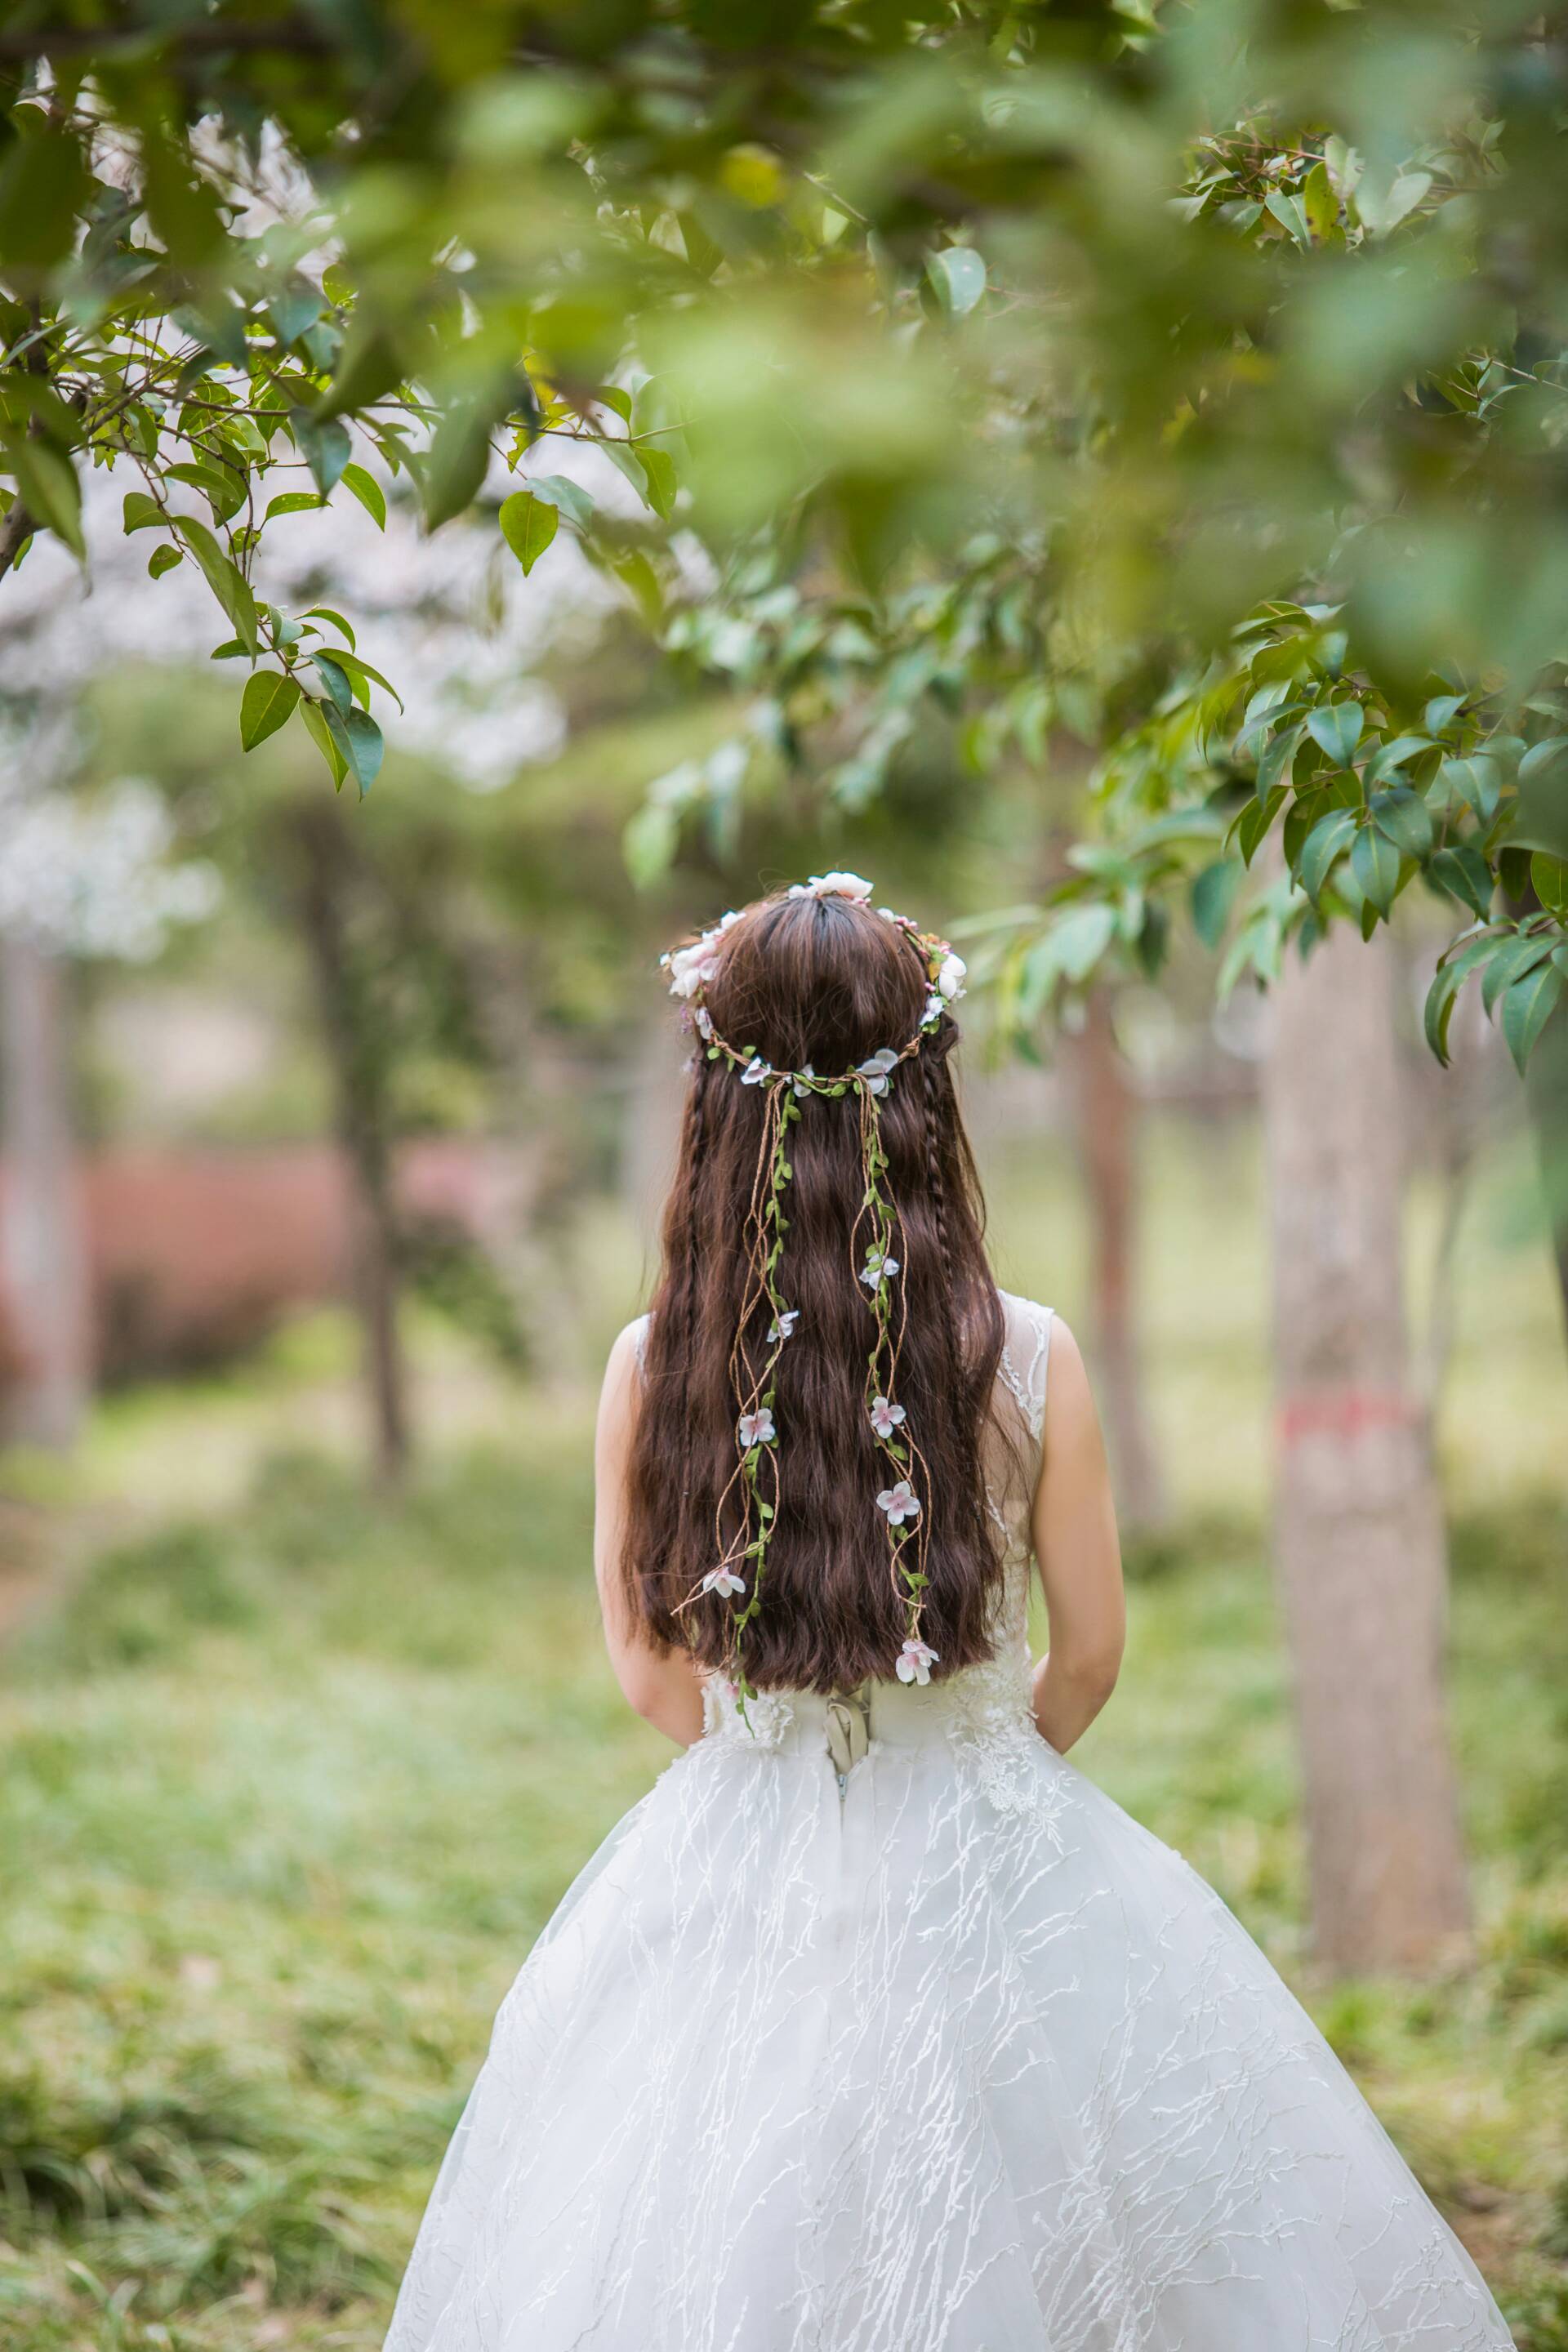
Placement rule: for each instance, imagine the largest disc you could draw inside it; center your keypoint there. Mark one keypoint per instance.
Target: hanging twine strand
(751, 1496)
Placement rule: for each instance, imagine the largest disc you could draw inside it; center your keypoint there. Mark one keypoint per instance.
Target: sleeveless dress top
(877, 2027)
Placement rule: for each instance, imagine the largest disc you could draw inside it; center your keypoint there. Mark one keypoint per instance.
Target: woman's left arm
(662, 1686)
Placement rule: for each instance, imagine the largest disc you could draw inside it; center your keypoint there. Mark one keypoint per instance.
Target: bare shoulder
(622, 1369)
(1069, 1400)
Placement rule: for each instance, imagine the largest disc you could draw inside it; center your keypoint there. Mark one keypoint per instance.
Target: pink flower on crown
(900, 1503)
(722, 1580)
(886, 1416)
(757, 1428)
(874, 1072)
(755, 1071)
(915, 1663)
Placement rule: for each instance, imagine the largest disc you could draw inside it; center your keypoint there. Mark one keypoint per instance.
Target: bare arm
(664, 1689)
(1074, 1525)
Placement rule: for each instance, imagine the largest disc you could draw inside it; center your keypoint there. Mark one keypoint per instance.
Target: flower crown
(878, 1226)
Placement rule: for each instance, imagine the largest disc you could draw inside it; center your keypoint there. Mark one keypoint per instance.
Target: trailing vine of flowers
(737, 1578)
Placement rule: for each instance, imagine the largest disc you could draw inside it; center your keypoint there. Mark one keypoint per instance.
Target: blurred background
(346, 1128)
(1096, 471)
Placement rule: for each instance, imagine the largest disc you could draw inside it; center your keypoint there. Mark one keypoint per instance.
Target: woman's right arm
(1074, 1528)
(662, 1687)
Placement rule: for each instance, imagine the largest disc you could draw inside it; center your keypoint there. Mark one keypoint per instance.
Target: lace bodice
(982, 1711)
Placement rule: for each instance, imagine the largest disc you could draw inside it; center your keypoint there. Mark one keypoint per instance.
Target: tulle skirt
(927, 2049)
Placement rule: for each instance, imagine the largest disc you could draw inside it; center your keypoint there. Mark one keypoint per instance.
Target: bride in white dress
(876, 2026)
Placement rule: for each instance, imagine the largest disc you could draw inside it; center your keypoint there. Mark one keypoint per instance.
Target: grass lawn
(288, 1780)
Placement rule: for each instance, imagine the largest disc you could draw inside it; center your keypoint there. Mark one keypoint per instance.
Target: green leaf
(1213, 896)
(368, 491)
(1403, 817)
(1442, 710)
(336, 679)
(325, 444)
(140, 512)
(1550, 876)
(1278, 758)
(269, 695)
(223, 578)
(325, 613)
(1514, 957)
(658, 472)
(314, 715)
(637, 575)
(359, 742)
(1465, 874)
(1319, 203)
(1375, 863)
(1390, 757)
(1441, 998)
(359, 669)
(162, 559)
(1527, 1006)
(458, 460)
(957, 276)
(573, 501)
(49, 489)
(1478, 782)
(42, 188)
(1543, 757)
(527, 525)
(291, 311)
(1252, 827)
(367, 366)
(293, 502)
(1290, 212)
(1336, 729)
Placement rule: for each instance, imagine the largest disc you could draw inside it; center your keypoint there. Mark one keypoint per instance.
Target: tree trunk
(354, 1050)
(43, 1252)
(1360, 1546)
(1107, 1123)
(1547, 1093)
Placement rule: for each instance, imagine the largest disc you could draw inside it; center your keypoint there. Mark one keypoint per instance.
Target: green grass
(289, 1780)
(286, 1795)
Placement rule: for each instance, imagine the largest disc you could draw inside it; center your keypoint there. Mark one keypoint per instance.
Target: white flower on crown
(899, 1501)
(936, 1005)
(950, 977)
(879, 1268)
(688, 968)
(915, 1663)
(755, 1071)
(875, 1071)
(704, 1021)
(722, 1580)
(757, 1428)
(886, 1416)
(832, 885)
(804, 1071)
(783, 1326)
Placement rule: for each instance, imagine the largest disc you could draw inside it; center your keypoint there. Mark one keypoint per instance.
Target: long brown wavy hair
(824, 980)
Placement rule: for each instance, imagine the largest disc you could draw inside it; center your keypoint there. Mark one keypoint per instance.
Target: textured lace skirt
(879, 2029)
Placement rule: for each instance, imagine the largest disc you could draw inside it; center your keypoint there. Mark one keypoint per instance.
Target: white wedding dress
(878, 2027)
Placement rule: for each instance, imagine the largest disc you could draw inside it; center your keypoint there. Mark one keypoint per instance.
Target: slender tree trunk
(1107, 1113)
(355, 1052)
(1360, 1545)
(43, 1252)
(1547, 1092)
